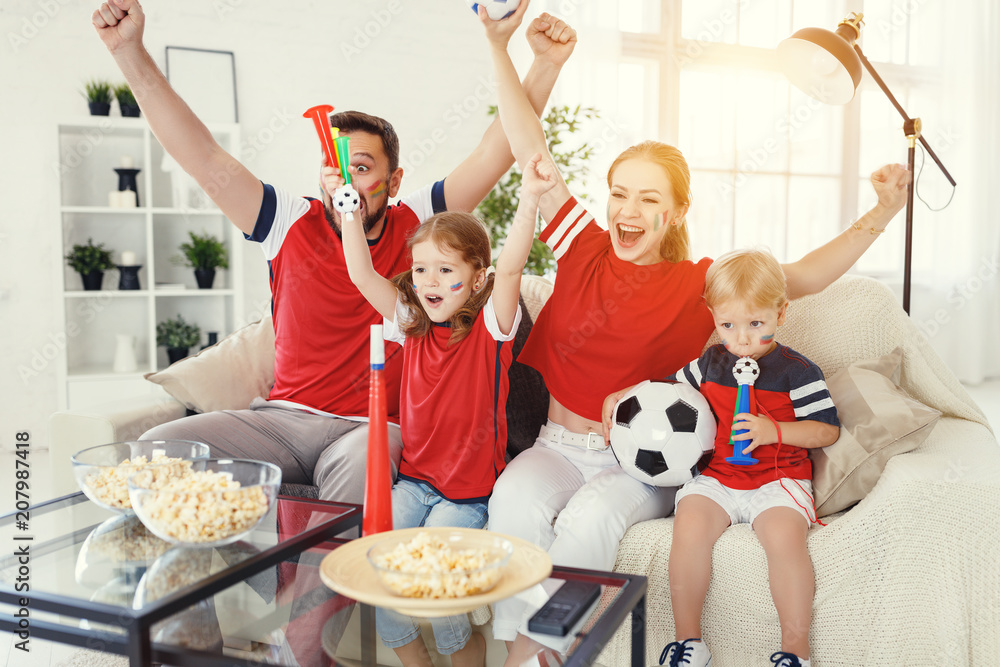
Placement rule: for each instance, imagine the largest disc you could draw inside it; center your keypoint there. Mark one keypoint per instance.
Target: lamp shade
(822, 64)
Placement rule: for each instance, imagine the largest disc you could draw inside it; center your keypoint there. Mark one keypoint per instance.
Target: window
(770, 165)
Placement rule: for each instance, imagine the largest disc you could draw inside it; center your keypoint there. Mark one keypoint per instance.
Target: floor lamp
(827, 66)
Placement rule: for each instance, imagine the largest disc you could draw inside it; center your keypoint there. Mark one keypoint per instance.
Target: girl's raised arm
(540, 176)
(381, 293)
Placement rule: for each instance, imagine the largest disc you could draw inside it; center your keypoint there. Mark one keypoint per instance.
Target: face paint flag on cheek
(456, 287)
(766, 339)
(376, 189)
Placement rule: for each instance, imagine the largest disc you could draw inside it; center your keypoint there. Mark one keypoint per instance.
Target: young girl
(745, 292)
(456, 322)
(627, 306)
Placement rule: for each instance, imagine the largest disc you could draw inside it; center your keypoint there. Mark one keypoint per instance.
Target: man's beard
(370, 219)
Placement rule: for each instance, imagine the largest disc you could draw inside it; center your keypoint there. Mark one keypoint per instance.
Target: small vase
(127, 181)
(213, 338)
(175, 354)
(128, 277)
(92, 281)
(125, 354)
(129, 110)
(205, 278)
(99, 108)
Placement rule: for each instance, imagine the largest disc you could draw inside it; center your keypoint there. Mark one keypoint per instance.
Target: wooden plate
(347, 571)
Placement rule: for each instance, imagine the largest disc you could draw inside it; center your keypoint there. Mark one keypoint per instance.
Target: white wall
(417, 62)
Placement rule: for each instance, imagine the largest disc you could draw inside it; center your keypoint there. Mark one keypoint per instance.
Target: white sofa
(908, 576)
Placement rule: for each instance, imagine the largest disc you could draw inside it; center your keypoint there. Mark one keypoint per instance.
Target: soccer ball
(746, 371)
(663, 432)
(345, 199)
(495, 9)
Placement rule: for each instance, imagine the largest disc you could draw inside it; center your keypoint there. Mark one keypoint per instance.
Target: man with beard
(314, 421)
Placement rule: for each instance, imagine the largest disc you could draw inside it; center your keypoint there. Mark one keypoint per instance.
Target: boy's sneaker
(691, 652)
(785, 659)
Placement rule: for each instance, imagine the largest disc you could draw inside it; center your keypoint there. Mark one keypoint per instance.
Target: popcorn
(109, 487)
(202, 506)
(427, 567)
(129, 542)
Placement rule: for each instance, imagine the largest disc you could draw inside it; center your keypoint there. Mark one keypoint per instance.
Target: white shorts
(745, 505)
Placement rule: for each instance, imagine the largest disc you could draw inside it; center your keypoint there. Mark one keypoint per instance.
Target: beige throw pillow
(878, 420)
(226, 376)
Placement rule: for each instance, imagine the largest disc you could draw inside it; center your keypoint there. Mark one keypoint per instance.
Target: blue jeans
(416, 504)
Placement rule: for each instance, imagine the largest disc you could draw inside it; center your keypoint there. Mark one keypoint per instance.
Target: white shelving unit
(89, 150)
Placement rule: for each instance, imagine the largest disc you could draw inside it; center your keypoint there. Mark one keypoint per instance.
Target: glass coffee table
(101, 582)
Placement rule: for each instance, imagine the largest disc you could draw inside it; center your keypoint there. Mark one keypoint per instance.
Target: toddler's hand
(759, 431)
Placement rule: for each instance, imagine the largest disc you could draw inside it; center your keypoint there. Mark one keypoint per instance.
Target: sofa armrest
(116, 421)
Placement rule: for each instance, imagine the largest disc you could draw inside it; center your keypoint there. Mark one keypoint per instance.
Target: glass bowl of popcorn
(217, 503)
(102, 471)
(440, 563)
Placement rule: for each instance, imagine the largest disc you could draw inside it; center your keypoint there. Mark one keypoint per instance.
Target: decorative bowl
(440, 563)
(102, 471)
(218, 502)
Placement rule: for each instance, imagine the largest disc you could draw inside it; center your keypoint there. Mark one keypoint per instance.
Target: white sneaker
(688, 652)
(785, 659)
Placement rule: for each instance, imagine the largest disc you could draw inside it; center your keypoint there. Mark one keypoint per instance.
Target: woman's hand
(500, 32)
(890, 183)
(607, 412)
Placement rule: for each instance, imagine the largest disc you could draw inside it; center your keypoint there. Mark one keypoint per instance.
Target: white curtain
(958, 302)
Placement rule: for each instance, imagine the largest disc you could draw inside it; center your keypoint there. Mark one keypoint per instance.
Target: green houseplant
(98, 93)
(498, 207)
(177, 336)
(204, 253)
(126, 101)
(90, 260)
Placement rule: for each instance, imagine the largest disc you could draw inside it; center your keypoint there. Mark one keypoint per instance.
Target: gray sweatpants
(329, 452)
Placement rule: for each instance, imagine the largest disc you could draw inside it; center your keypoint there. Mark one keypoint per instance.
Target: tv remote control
(564, 609)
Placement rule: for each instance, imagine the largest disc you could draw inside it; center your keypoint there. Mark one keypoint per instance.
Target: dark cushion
(528, 399)
(300, 491)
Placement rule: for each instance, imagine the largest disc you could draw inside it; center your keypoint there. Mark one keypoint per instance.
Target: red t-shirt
(609, 323)
(321, 320)
(789, 387)
(452, 405)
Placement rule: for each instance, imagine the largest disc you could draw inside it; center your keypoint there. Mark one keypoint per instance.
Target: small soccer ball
(746, 370)
(346, 199)
(495, 9)
(663, 432)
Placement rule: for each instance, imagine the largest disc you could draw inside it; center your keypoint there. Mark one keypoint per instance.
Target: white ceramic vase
(125, 354)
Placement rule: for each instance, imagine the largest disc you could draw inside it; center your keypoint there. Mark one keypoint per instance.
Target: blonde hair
(676, 243)
(466, 235)
(752, 276)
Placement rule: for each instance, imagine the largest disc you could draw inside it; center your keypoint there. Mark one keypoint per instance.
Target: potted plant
(498, 207)
(126, 101)
(98, 94)
(177, 336)
(90, 260)
(204, 253)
